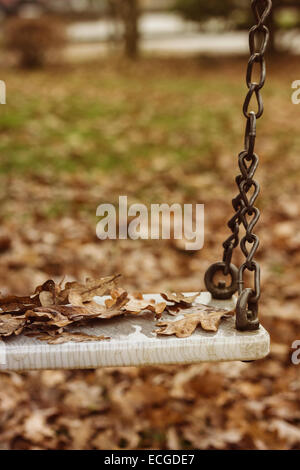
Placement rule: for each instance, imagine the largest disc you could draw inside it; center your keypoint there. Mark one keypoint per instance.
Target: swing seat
(134, 343)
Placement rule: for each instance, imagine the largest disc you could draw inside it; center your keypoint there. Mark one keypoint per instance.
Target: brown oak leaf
(10, 325)
(44, 295)
(89, 289)
(119, 297)
(47, 293)
(47, 315)
(62, 315)
(137, 304)
(208, 318)
(179, 298)
(66, 337)
(18, 305)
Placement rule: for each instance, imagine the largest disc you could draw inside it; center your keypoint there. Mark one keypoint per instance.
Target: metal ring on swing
(221, 291)
(247, 311)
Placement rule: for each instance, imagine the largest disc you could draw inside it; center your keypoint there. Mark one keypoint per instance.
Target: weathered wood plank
(133, 343)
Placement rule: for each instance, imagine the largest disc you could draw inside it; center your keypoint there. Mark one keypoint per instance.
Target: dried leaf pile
(52, 309)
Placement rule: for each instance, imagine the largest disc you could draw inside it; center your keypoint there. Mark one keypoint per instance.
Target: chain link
(246, 213)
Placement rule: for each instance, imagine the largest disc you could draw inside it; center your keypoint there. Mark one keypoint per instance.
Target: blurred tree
(34, 39)
(128, 12)
(203, 10)
(235, 13)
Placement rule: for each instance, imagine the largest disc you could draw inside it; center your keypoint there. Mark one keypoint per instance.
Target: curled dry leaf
(174, 309)
(118, 297)
(158, 309)
(75, 299)
(46, 299)
(61, 315)
(44, 295)
(48, 293)
(137, 304)
(89, 290)
(65, 337)
(207, 317)
(180, 302)
(46, 315)
(18, 305)
(179, 298)
(10, 325)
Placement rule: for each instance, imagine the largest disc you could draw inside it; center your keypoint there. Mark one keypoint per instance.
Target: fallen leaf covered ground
(168, 131)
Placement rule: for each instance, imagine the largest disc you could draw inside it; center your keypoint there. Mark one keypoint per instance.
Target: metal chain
(245, 211)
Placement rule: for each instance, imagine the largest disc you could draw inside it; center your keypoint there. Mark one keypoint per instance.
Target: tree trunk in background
(128, 12)
(273, 31)
(131, 34)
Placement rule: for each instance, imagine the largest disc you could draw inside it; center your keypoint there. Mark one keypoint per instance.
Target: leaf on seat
(10, 324)
(47, 315)
(89, 289)
(52, 307)
(18, 305)
(177, 301)
(66, 337)
(137, 304)
(47, 293)
(179, 298)
(119, 297)
(62, 315)
(208, 318)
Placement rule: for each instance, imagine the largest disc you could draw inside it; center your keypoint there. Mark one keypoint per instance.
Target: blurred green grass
(86, 119)
(139, 119)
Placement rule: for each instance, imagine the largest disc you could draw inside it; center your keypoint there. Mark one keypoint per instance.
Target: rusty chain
(246, 213)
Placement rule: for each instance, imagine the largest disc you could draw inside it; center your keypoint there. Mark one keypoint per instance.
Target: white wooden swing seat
(134, 343)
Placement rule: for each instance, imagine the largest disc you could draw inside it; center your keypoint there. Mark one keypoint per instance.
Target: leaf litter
(201, 406)
(53, 308)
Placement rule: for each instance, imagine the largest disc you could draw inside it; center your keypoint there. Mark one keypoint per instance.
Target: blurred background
(144, 98)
